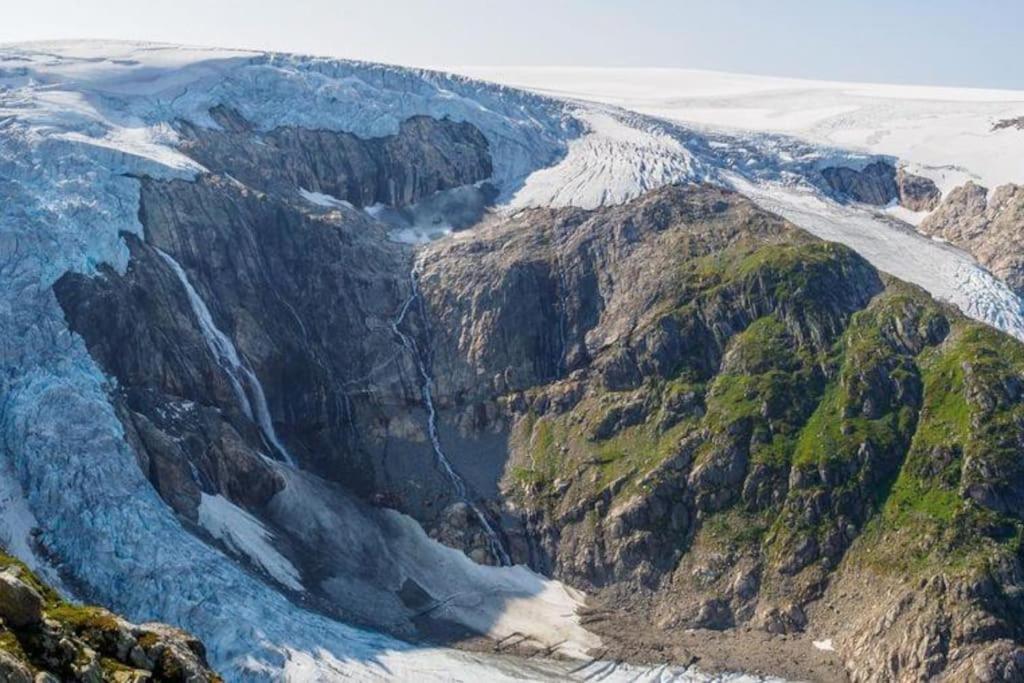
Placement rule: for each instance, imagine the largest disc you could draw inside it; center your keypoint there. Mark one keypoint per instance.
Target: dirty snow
(324, 200)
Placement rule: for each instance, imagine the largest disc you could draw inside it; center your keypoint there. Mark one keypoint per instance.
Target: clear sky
(952, 42)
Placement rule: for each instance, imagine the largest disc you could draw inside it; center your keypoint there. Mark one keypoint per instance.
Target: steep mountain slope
(734, 424)
(231, 383)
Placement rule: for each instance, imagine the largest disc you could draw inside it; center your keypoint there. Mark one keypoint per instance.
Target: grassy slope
(798, 404)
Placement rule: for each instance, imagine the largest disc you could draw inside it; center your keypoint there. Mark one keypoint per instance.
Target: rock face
(880, 183)
(43, 638)
(307, 296)
(874, 184)
(715, 420)
(990, 228)
(426, 156)
(20, 604)
(1017, 123)
(684, 404)
(917, 193)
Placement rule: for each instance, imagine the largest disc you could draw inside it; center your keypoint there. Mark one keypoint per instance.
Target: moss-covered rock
(70, 642)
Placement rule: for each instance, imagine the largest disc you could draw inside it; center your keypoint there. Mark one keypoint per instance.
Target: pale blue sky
(954, 42)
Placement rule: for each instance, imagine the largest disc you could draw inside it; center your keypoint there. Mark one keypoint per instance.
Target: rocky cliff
(880, 183)
(44, 639)
(718, 422)
(988, 225)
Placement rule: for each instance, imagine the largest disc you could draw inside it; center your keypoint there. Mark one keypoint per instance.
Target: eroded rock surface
(880, 183)
(988, 225)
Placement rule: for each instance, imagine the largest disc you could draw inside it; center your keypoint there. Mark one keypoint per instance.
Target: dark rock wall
(307, 297)
(427, 155)
(880, 183)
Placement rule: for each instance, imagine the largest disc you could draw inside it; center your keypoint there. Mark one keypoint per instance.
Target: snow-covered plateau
(80, 122)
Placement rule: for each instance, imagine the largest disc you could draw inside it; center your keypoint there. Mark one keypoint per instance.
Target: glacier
(80, 122)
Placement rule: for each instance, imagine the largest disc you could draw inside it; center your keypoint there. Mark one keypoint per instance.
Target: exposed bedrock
(1002, 124)
(426, 156)
(880, 183)
(303, 295)
(716, 420)
(988, 225)
(44, 639)
(917, 193)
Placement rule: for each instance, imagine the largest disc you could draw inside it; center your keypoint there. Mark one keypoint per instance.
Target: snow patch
(324, 200)
(824, 645)
(246, 535)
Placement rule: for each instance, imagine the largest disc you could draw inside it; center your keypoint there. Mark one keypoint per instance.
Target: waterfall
(427, 393)
(253, 401)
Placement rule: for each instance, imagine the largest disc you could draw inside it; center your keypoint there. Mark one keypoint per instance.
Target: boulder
(20, 604)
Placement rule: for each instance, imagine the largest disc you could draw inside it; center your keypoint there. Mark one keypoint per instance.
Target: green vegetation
(858, 425)
(94, 635)
(927, 513)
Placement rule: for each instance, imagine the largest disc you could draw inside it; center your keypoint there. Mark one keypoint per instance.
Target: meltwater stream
(254, 403)
(427, 391)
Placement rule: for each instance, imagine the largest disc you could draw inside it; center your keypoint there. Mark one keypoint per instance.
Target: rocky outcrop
(20, 604)
(44, 639)
(426, 156)
(917, 193)
(880, 183)
(716, 419)
(1003, 124)
(874, 184)
(989, 227)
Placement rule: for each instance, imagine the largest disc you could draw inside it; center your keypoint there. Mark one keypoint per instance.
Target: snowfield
(80, 120)
(943, 133)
